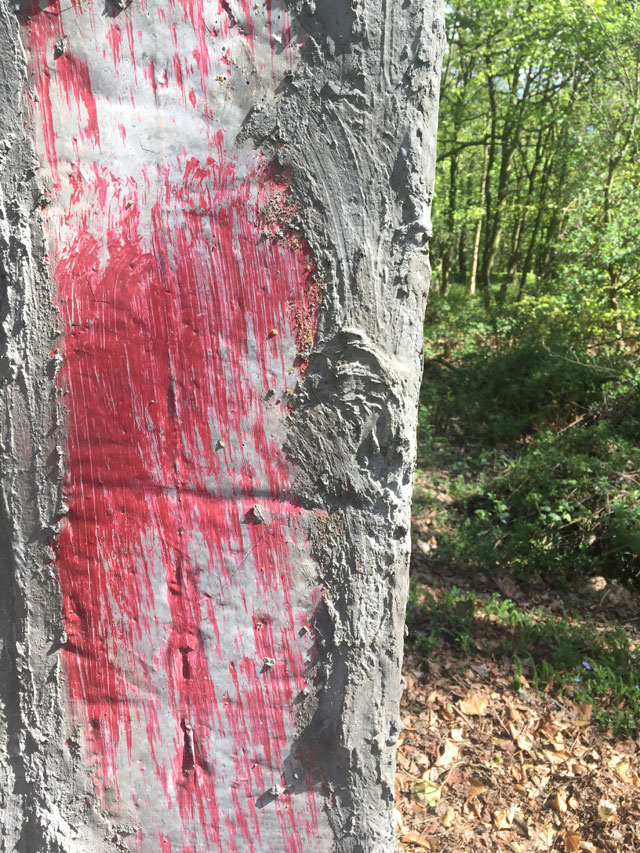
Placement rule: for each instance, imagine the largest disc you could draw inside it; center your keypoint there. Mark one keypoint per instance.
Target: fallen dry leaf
(584, 712)
(415, 838)
(521, 825)
(622, 770)
(571, 842)
(449, 754)
(525, 742)
(449, 817)
(473, 705)
(398, 821)
(513, 714)
(475, 809)
(504, 819)
(545, 836)
(477, 787)
(556, 756)
(558, 802)
(558, 742)
(595, 584)
(513, 729)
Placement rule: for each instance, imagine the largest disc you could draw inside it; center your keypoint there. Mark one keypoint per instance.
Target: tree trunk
(527, 264)
(475, 254)
(451, 224)
(495, 206)
(462, 254)
(612, 273)
(516, 251)
(213, 254)
(514, 257)
(494, 218)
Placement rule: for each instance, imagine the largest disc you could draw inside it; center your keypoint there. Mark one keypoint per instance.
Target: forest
(526, 554)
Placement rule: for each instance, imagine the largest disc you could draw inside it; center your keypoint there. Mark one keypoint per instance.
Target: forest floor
(499, 751)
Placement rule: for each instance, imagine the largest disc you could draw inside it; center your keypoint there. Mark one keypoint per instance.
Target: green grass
(568, 654)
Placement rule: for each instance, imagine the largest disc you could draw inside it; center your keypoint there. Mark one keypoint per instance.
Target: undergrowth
(529, 467)
(563, 653)
(535, 447)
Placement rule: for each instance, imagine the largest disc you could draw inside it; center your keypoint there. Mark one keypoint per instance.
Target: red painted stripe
(175, 331)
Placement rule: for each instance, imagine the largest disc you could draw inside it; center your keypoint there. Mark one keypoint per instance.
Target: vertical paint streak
(44, 28)
(114, 37)
(74, 78)
(150, 74)
(248, 22)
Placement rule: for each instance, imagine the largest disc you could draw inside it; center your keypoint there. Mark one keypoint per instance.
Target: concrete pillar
(214, 221)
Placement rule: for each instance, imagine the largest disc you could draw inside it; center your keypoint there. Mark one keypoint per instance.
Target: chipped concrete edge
(355, 128)
(40, 790)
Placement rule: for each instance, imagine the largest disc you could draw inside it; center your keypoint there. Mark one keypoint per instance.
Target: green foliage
(538, 149)
(529, 423)
(530, 406)
(542, 455)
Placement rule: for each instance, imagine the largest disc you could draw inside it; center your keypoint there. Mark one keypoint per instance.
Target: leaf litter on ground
(495, 757)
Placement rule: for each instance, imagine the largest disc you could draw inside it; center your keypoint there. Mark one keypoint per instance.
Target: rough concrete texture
(214, 221)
